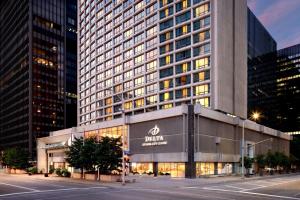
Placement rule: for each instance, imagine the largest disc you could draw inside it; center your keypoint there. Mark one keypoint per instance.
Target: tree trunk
(81, 171)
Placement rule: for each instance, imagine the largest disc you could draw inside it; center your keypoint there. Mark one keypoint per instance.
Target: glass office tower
(275, 89)
(35, 60)
(156, 54)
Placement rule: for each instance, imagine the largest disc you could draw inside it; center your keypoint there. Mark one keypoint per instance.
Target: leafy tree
(270, 160)
(109, 154)
(15, 158)
(261, 162)
(81, 154)
(247, 163)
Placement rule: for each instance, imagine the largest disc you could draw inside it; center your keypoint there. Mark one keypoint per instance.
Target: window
(203, 101)
(183, 93)
(166, 24)
(152, 31)
(166, 48)
(139, 103)
(138, 81)
(166, 60)
(166, 12)
(151, 88)
(128, 85)
(167, 96)
(183, 17)
(183, 80)
(182, 5)
(184, 67)
(183, 55)
(164, 2)
(202, 63)
(202, 36)
(139, 49)
(166, 72)
(138, 38)
(151, 9)
(151, 54)
(151, 100)
(151, 65)
(166, 36)
(183, 30)
(166, 84)
(139, 16)
(139, 92)
(128, 105)
(203, 49)
(201, 23)
(201, 89)
(183, 42)
(139, 59)
(138, 70)
(201, 76)
(128, 33)
(151, 77)
(201, 10)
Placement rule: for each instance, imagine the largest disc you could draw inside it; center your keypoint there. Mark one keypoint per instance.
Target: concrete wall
(229, 57)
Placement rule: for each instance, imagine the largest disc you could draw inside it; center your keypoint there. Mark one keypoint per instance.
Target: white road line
(17, 186)
(278, 183)
(230, 186)
(254, 184)
(45, 191)
(254, 193)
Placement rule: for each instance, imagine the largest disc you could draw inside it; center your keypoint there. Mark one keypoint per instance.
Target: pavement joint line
(17, 186)
(45, 191)
(253, 193)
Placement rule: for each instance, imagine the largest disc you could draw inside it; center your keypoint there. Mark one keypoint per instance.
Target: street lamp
(120, 96)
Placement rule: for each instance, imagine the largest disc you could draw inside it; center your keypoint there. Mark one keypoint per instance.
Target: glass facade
(151, 43)
(38, 70)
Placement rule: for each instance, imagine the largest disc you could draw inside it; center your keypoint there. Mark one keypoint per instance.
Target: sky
(281, 18)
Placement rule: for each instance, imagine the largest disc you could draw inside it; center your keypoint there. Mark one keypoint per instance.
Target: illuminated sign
(153, 138)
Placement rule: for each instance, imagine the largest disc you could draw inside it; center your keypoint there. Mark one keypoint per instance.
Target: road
(30, 188)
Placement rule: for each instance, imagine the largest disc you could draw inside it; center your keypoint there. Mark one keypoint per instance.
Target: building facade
(184, 141)
(143, 56)
(37, 62)
(274, 89)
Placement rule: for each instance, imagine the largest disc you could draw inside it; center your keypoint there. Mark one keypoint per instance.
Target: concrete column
(215, 168)
(190, 166)
(155, 168)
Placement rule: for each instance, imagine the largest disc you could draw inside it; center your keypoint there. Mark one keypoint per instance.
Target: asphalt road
(30, 188)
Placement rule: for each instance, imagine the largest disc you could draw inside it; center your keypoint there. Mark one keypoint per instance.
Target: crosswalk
(252, 184)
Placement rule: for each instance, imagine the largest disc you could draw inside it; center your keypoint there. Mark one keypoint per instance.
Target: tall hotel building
(157, 54)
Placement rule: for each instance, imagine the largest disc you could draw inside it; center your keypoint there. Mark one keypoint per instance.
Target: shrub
(65, 173)
(51, 170)
(58, 172)
(32, 170)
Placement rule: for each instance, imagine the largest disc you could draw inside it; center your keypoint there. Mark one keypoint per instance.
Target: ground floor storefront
(184, 141)
(178, 169)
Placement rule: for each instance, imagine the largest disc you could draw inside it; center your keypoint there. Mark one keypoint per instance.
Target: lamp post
(255, 116)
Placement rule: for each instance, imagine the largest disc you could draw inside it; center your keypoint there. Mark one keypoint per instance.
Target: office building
(158, 54)
(38, 69)
(274, 89)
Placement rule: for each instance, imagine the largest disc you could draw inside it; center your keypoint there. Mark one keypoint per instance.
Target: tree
(247, 163)
(270, 160)
(15, 158)
(109, 155)
(81, 154)
(261, 162)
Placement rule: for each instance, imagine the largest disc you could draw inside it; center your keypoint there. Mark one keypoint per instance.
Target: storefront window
(205, 169)
(173, 169)
(142, 168)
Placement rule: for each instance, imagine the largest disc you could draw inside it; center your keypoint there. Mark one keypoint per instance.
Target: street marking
(17, 186)
(45, 191)
(253, 193)
(230, 186)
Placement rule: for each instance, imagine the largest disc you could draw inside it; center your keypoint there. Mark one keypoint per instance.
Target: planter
(7, 170)
(20, 171)
(90, 177)
(12, 171)
(110, 178)
(76, 175)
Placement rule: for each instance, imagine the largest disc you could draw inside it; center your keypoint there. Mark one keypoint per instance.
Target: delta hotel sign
(153, 138)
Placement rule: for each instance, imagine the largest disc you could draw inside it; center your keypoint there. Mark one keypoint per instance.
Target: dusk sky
(281, 18)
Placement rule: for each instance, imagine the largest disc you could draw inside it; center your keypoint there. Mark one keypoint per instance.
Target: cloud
(277, 11)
